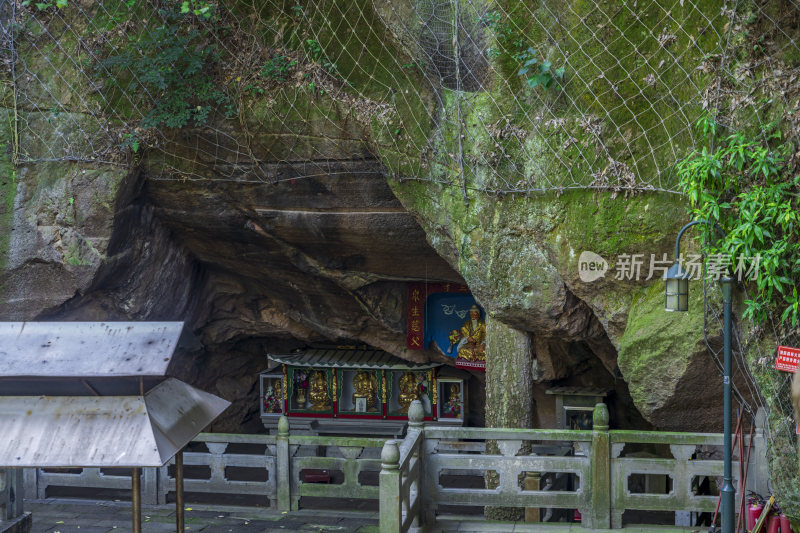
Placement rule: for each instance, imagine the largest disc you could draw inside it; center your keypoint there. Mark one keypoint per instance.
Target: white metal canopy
(87, 349)
(48, 420)
(104, 431)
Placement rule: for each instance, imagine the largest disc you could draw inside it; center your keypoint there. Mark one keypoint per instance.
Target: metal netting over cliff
(491, 96)
(502, 97)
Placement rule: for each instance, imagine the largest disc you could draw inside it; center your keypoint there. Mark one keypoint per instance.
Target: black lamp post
(676, 298)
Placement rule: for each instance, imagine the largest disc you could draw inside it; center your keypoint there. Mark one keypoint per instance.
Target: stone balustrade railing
(600, 473)
(267, 466)
(597, 467)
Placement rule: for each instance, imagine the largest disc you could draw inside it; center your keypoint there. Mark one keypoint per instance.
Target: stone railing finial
(416, 414)
(283, 426)
(600, 417)
(390, 455)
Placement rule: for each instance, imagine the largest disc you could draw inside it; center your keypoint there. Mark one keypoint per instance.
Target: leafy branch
(536, 73)
(41, 6)
(171, 64)
(200, 8)
(317, 55)
(744, 184)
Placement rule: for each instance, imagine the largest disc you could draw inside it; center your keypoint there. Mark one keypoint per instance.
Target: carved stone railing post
(619, 487)
(13, 493)
(282, 461)
(600, 486)
(390, 513)
(6, 512)
(4, 488)
(217, 462)
(416, 414)
(150, 486)
(416, 417)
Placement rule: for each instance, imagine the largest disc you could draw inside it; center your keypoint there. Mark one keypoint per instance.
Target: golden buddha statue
(318, 392)
(365, 385)
(409, 391)
(473, 337)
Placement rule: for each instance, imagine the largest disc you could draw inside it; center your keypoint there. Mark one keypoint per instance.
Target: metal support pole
(136, 498)
(179, 491)
(728, 492)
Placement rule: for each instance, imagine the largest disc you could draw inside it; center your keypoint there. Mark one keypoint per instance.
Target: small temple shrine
(335, 390)
(349, 390)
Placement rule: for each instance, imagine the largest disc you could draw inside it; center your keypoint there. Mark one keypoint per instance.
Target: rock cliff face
(520, 258)
(251, 268)
(536, 179)
(308, 235)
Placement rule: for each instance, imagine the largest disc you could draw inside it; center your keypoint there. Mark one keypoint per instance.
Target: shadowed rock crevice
(146, 275)
(252, 268)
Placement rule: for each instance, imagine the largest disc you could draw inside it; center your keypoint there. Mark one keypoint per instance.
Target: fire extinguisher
(786, 527)
(753, 512)
(773, 523)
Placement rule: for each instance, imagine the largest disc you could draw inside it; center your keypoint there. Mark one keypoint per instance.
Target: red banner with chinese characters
(417, 295)
(787, 359)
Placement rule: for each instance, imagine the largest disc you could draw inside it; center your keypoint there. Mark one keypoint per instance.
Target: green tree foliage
(171, 64)
(200, 8)
(745, 185)
(535, 71)
(45, 5)
(278, 68)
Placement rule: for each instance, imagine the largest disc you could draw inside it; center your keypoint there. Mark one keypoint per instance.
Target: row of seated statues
(365, 391)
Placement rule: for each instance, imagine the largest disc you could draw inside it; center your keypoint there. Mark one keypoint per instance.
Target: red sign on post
(787, 359)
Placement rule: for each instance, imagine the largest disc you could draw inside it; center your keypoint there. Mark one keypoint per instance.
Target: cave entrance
(570, 377)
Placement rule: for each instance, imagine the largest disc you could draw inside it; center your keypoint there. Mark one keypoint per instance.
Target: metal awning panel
(87, 349)
(74, 386)
(118, 431)
(367, 359)
(56, 431)
(179, 412)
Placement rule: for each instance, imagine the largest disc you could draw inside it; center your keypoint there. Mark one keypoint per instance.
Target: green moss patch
(8, 185)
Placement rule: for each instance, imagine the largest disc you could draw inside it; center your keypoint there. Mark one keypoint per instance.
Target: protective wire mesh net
(609, 102)
(503, 97)
(635, 78)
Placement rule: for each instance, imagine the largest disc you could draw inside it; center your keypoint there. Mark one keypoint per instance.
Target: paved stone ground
(64, 516)
(80, 516)
(473, 526)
